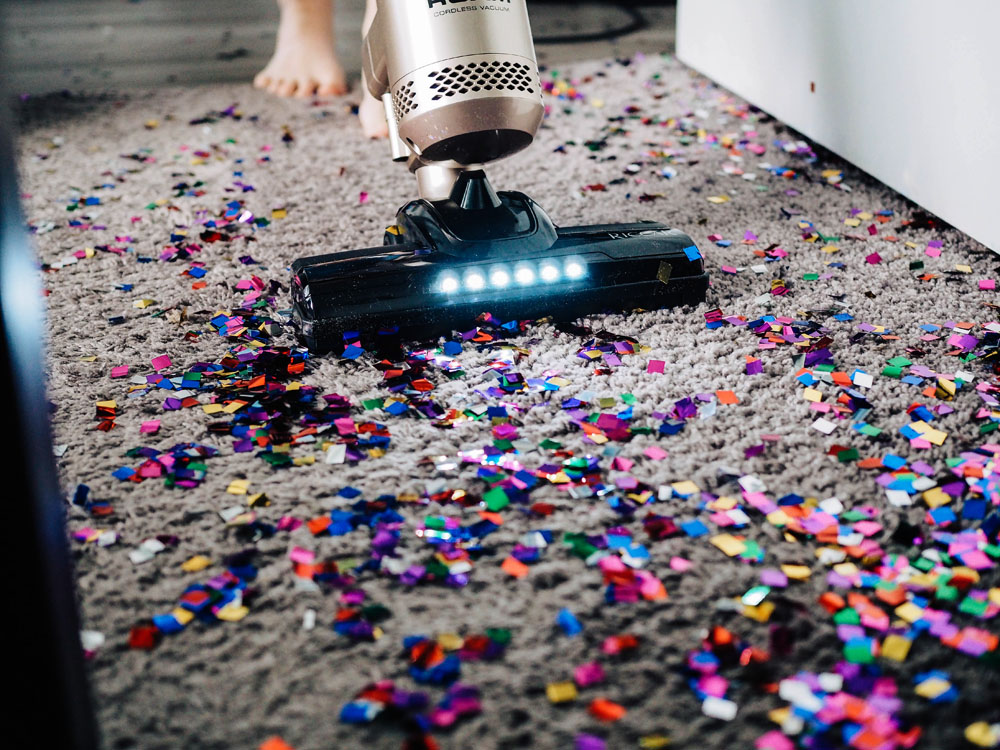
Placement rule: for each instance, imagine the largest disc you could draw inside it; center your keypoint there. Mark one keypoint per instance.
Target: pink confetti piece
(680, 564)
(874, 259)
(655, 366)
(363, 197)
(120, 371)
(987, 284)
(150, 427)
(933, 252)
(655, 453)
(162, 362)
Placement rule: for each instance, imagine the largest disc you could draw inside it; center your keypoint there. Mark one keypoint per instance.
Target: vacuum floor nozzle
(446, 262)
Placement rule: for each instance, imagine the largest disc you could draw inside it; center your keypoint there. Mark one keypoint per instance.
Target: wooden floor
(89, 45)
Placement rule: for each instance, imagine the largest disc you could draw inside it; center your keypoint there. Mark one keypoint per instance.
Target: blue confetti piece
(568, 622)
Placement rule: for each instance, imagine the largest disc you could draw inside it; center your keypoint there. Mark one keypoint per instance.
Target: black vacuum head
(445, 262)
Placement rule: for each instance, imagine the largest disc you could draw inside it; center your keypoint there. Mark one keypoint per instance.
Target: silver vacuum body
(459, 78)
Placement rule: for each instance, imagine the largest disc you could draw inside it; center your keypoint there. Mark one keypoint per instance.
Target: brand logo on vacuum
(432, 3)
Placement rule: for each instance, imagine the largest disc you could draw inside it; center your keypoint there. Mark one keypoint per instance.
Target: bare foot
(372, 115)
(304, 63)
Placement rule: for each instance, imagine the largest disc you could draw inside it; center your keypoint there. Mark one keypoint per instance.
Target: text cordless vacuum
(460, 86)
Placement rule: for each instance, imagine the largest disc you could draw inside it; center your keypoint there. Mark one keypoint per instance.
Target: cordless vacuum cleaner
(460, 86)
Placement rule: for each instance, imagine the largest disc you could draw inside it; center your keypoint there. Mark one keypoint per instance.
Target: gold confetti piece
(963, 268)
(896, 647)
(151, 124)
(935, 497)
(686, 487)
(107, 405)
(560, 692)
(830, 249)
(279, 213)
(846, 569)
(718, 198)
(779, 715)
(761, 613)
(211, 408)
(852, 222)
(982, 734)
(797, 572)
(654, 742)
(450, 641)
(196, 563)
(259, 500)
(232, 613)
(932, 688)
(729, 544)
(304, 460)
(909, 611)
(778, 518)
(142, 304)
(183, 616)
(812, 394)
(238, 487)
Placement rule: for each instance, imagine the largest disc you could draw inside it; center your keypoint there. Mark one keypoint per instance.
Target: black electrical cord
(637, 22)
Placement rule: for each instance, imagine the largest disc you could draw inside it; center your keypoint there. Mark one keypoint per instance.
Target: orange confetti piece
(513, 566)
(726, 397)
(605, 710)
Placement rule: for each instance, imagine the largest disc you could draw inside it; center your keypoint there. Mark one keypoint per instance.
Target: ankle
(307, 15)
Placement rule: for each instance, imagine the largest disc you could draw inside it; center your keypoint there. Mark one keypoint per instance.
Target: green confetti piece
(549, 445)
(810, 276)
(499, 635)
(972, 606)
(496, 499)
(900, 362)
(946, 593)
(858, 653)
(372, 403)
(847, 616)
(870, 430)
(851, 454)
(892, 372)
(853, 515)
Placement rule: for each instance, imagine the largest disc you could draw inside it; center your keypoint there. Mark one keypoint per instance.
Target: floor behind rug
(156, 211)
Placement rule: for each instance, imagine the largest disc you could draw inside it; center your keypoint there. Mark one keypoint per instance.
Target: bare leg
(304, 62)
(370, 111)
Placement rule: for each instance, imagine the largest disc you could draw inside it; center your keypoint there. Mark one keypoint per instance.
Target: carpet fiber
(160, 216)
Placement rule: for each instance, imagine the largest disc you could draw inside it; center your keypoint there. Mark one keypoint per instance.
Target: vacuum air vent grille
(403, 100)
(488, 75)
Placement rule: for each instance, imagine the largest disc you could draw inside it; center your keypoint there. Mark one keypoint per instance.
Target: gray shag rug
(117, 189)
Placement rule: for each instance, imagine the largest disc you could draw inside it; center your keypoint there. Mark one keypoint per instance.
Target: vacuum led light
(499, 277)
(575, 269)
(525, 275)
(549, 272)
(474, 280)
(448, 283)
